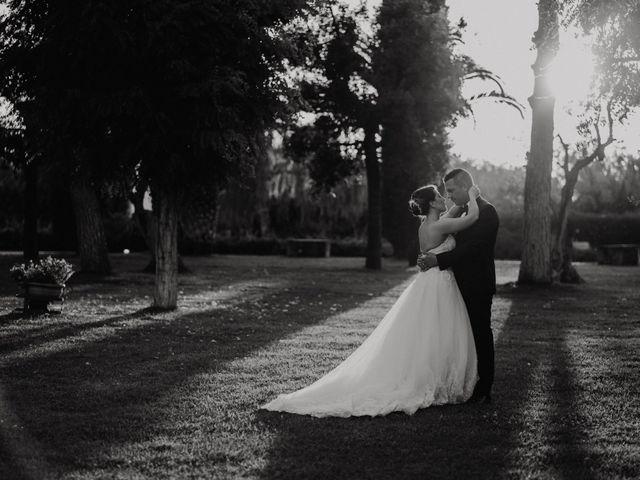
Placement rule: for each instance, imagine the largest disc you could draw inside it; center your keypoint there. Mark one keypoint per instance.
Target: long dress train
(422, 353)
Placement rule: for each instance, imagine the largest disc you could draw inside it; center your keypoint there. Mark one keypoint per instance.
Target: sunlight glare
(572, 70)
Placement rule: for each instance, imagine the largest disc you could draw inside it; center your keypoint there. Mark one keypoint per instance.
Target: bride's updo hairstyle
(419, 202)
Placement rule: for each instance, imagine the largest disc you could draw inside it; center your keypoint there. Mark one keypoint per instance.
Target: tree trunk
(146, 223)
(563, 269)
(260, 226)
(569, 274)
(536, 252)
(563, 217)
(165, 207)
(374, 207)
(30, 228)
(92, 241)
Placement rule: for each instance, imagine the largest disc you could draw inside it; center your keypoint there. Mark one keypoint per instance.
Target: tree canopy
(173, 94)
(418, 79)
(170, 90)
(614, 26)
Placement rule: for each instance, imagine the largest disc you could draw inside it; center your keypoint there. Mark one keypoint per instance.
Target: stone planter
(37, 296)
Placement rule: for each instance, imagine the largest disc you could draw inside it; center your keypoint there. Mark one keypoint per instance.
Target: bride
(422, 353)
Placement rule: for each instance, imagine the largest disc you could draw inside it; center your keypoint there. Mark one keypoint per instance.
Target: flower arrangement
(47, 270)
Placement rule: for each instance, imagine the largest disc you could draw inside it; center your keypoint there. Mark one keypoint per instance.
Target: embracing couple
(435, 345)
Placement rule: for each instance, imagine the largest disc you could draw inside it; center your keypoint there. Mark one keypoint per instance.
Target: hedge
(275, 246)
(597, 229)
(603, 229)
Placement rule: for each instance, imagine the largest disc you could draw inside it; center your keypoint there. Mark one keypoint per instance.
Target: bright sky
(498, 37)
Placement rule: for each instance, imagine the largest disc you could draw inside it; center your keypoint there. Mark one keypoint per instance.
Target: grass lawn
(109, 389)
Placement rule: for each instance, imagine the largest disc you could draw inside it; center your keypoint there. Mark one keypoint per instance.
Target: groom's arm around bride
(474, 251)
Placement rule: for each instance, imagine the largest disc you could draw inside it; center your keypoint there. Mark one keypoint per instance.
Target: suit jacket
(472, 260)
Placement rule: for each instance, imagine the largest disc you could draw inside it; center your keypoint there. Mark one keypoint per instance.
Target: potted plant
(42, 282)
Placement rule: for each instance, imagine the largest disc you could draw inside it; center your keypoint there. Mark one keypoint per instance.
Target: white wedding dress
(422, 353)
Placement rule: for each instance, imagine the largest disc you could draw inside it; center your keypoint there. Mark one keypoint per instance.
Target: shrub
(602, 229)
(351, 247)
(47, 270)
(509, 241)
(235, 246)
(584, 255)
(355, 247)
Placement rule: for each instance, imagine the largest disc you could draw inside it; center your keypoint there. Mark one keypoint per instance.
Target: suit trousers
(479, 309)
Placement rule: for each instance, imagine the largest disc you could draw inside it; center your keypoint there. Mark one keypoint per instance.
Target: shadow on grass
(55, 330)
(83, 398)
(77, 322)
(465, 441)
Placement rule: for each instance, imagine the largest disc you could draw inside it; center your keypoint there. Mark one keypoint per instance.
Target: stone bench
(618, 254)
(308, 247)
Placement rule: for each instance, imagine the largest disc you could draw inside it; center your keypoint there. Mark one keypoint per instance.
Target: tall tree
(350, 114)
(614, 27)
(165, 92)
(572, 163)
(208, 72)
(38, 74)
(92, 239)
(418, 80)
(347, 116)
(349, 71)
(13, 152)
(535, 266)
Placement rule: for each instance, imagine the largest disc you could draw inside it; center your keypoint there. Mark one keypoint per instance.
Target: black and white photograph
(320, 239)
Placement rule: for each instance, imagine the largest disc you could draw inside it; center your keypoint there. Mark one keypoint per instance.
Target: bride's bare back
(428, 236)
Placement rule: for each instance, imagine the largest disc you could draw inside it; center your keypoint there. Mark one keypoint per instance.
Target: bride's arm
(446, 225)
(453, 212)
(481, 243)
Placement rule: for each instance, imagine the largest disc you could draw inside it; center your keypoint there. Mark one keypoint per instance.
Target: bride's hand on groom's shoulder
(474, 191)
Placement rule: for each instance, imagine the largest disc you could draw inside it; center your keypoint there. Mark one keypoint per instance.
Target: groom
(474, 268)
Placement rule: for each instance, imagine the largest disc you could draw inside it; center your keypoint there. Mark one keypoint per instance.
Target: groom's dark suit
(474, 267)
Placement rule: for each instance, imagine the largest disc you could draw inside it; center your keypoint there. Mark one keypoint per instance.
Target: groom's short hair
(460, 176)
